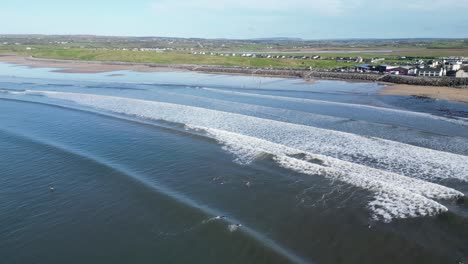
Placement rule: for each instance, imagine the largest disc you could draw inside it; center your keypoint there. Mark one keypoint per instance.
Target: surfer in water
(216, 218)
(233, 228)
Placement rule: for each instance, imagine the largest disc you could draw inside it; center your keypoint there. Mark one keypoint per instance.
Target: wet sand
(308, 81)
(73, 66)
(82, 67)
(444, 93)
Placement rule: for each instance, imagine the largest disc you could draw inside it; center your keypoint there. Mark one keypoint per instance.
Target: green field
(111, 49)
(179, 58)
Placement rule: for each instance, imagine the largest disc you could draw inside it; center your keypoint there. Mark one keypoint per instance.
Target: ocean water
(182, 167)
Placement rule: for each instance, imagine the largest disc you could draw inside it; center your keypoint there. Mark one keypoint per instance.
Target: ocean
(184, 167)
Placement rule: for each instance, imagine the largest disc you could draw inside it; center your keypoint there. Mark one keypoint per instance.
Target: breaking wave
(397, 174)
(388, 112)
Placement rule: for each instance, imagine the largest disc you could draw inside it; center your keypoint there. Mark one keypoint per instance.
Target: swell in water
(384, 112)
(396, 173)
(211, 213)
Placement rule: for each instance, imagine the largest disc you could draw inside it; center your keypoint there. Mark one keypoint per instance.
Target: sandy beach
(82, 67)
(444, 93)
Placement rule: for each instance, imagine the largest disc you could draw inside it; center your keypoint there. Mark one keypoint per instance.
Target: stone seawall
(426, 81)
(308, 74)
(254, 71)
(344, 76)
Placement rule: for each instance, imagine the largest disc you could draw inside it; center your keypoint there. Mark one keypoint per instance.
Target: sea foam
(395, 196)
(393, 171)
(383, 112)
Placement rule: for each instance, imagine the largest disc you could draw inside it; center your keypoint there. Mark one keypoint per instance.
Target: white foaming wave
(458, 145)
(395, 196)
(390, 201)
(384, 154)
(12, 92)
(302, 100)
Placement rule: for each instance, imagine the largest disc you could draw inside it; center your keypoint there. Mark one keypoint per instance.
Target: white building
(413, 71)
(461, 74)
(453, 65)
(432, 72)
(434, 63)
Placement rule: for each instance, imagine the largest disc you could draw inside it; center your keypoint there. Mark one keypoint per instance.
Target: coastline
(392, 85)
(73, 66)
(435, 92)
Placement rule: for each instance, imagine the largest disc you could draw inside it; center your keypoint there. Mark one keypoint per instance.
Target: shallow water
(141, 164)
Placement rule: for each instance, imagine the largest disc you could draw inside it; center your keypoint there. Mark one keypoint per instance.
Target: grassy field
(73, 51)
(178, 58)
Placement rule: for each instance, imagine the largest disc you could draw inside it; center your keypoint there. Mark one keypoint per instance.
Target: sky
(239, 19)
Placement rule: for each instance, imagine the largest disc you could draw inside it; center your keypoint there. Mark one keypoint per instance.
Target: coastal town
(451, 67)
(412, 66)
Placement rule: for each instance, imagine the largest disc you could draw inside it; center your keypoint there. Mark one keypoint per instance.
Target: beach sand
(444, 93)
(73, 66)
(82, 67)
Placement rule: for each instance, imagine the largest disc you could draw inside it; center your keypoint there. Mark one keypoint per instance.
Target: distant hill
(277, 39)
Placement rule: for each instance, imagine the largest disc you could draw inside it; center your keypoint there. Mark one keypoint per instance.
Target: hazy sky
(309, 19)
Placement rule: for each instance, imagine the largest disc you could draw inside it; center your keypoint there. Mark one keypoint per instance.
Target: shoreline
(74, 66)
(434, 92)
(392, 85)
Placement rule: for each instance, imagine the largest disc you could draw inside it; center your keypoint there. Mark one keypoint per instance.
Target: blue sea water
(183, 167)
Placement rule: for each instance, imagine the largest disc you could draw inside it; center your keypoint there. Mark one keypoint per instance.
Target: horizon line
(253, 38)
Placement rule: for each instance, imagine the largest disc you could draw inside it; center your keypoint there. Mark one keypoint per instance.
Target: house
(398, 71)
(364, 67)
(451, 73)
(453, 65)
(413, 71)
(432, 72)
(433, 63)
(384, 68)
(462, 73)
(376, 60)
